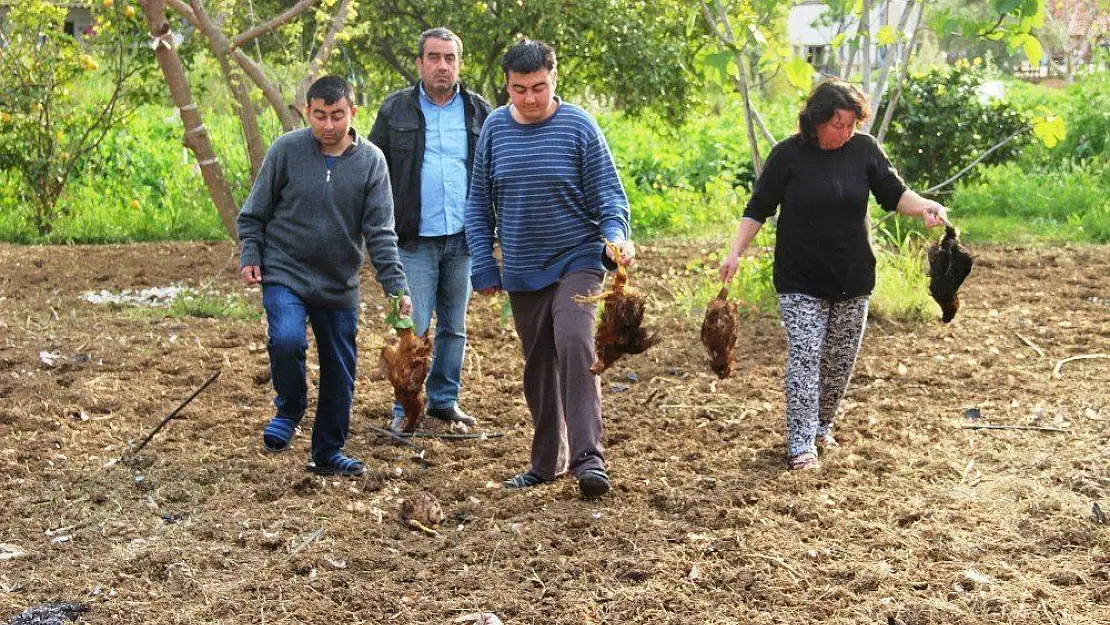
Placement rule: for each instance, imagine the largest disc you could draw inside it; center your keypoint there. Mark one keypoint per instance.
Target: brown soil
(913, 520)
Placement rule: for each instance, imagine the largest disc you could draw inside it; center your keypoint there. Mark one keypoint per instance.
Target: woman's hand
(728, 267)
(934, 214)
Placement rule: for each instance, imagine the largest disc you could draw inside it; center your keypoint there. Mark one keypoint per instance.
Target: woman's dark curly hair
(829, 97)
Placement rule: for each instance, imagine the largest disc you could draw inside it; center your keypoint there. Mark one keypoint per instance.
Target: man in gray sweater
(322, 192)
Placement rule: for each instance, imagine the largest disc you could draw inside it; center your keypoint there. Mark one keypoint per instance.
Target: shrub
(1011, 202)
(1096, 223)
(940, 124)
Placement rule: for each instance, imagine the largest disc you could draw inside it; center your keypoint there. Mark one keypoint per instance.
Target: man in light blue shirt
(428, 133)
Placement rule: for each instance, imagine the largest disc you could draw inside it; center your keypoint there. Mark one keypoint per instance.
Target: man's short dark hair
(527, 56)
(438, 33)
(822, 105)
(330, 89)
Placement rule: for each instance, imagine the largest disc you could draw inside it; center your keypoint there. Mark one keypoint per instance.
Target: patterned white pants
(823, 339)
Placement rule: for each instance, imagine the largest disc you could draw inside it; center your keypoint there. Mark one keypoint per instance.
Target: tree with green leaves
(57, 100)
(632, 54)
(240, 73)
(741, 29)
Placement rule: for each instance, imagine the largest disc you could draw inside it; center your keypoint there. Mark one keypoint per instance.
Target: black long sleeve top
(822, 244)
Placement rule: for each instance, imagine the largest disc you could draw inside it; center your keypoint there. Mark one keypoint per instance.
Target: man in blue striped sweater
(545, 188)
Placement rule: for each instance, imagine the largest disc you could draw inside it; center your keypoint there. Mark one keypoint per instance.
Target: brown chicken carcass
(621, 330)
(949, 264)
(718, 333)
(423, 508)
(406, 364)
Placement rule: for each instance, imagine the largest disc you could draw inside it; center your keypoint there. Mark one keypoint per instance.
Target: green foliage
(210, 305)
(1001, 28)
(941, 124)
(699, 281)
(1014, 202)
(1086, 107)
(634, 54)
(140, 185)
(687, 179)
(49, 124)
(395, 319)
(901, 279)
(1096, 223)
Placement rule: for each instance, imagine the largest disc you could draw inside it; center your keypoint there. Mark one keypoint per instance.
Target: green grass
(902, 284)
(203, 304)
(1017, 203)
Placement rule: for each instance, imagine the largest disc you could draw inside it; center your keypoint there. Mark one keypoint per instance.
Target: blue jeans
(438, 273)
(335, 330)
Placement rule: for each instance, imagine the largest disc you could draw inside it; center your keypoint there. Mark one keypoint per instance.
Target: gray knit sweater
(305, 224)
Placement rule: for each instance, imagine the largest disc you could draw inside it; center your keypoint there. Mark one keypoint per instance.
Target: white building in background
(79, 21)
(813, 39)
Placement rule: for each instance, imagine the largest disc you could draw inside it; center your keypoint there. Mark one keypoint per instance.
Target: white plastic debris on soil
(156, 296)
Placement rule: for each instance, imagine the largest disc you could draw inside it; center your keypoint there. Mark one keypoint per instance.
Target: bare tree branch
(720, 27)
(865, 31)
(980, 159)
(902, 76)
(389, 55)
(322, 54)
(240, 92)
(875, 97)
(272, 25)
(252, 69)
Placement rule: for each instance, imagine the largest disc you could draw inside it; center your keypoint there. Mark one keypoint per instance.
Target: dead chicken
(718, 333)
(621, 328)
(423, 507)
(422, 511)
(949, 264)
(406, 364)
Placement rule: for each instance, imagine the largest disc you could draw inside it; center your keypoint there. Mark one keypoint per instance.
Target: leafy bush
(51, 121)
(143, 185)
(1012, 201)
(1085, 107)
(940, 125)
(1095, 224)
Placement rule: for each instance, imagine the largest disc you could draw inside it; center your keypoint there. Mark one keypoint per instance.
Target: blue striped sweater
(548, 193)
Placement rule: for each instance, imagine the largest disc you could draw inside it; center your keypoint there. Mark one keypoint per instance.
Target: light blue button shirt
(443, 180)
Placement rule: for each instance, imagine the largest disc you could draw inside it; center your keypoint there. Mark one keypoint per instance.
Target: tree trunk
(876, 95)
(721, 28)
(240, 92)
(196, 136)
(865, 31)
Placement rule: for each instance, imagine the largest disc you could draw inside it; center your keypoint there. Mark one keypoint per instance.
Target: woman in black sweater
(824, 265)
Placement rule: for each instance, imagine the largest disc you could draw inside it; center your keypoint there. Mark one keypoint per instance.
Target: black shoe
(451, 413)
(520, 481)
(593, 483)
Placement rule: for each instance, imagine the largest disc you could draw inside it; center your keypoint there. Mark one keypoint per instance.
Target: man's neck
(339, 149)
(440, 98)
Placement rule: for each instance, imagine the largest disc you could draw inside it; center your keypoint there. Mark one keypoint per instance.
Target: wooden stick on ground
(1031, 344)
(170, 417)
(1037, 428)
(452, 435)
(397, 437)
(1056, 370)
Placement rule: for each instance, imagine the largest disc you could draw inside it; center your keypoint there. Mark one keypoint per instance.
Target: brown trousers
(564, 398)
